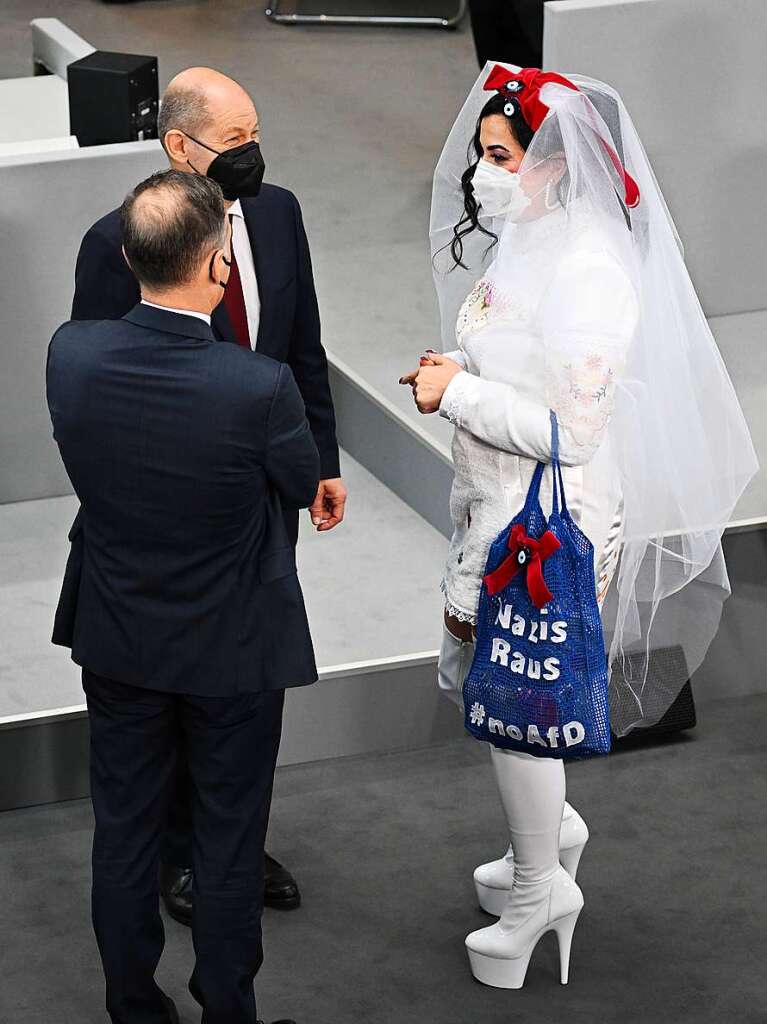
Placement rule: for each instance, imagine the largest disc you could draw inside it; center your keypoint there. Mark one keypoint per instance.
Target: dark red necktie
(234, 300)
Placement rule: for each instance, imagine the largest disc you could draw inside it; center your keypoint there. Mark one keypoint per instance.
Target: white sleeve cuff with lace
(457, 356)
(455, 395)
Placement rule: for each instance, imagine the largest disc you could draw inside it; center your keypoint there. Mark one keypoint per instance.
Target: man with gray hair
(209, 126)
(187, 616)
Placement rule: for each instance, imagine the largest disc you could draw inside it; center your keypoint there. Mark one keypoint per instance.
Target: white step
(371, 588)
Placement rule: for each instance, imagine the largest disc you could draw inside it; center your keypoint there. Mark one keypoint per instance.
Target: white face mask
(499, 192)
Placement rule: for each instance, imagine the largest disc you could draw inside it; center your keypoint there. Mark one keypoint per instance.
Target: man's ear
(174, 144)
(122, 248)
(219, 267)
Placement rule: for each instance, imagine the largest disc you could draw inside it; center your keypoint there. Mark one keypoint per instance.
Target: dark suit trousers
(230, 745)
(177, 838)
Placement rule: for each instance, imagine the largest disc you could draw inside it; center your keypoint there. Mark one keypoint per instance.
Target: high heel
(564, 929)
(493, 881)
(500, 955)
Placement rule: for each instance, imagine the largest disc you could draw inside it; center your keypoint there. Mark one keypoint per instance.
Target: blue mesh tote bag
(538, 680)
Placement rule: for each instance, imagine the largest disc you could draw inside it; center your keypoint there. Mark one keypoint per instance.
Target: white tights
(532, 788)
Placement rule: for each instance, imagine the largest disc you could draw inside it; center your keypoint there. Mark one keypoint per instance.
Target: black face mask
(238, 171)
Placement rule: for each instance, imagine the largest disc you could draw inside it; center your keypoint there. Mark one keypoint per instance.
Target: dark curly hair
(470, 220)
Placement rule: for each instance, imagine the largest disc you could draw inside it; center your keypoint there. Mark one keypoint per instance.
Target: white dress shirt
(184, 312)
(243, 253)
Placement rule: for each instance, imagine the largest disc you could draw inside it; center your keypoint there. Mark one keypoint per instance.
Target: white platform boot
(544, 897)
(493, 881)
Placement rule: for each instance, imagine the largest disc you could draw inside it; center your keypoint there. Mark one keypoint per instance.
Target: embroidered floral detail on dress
(582, 394)
(475, 310)
(482, 303)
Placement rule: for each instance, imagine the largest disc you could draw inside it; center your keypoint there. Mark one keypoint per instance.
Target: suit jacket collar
(168, 322)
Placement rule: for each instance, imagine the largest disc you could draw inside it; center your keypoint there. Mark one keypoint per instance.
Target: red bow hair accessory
(525, 551)
(522, 89)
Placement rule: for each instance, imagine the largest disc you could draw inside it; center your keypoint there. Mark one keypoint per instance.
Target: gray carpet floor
(384, 847)
(674, 878)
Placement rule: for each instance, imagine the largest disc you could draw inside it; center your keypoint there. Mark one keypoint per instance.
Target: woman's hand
(409, 378)
(432, 379)
(427, 391)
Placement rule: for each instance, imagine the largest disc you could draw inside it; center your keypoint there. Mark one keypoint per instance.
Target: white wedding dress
(582, 302)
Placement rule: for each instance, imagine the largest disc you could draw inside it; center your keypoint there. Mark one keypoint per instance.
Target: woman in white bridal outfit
(560, 275)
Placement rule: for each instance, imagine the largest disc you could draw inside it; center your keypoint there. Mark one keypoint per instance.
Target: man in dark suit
(508, 30)
(189, 621)
(209, 125)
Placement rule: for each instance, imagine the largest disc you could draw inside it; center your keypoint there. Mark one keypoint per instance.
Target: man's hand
(430, 382)
(327, 509)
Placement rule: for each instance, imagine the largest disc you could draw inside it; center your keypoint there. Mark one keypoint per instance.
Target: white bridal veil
(676, 431)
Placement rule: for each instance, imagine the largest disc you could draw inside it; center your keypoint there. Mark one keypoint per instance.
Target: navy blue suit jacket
(289, 328)
(182, 452)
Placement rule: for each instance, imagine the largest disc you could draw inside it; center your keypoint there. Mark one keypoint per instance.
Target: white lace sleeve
(588, 319)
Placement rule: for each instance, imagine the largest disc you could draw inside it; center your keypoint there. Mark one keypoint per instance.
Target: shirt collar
(236, 209)
(184, 312)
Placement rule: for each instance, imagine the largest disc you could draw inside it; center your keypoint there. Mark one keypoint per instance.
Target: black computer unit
(113, 97)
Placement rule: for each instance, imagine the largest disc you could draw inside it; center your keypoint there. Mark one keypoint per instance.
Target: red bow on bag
(525, 552)
(523, 88)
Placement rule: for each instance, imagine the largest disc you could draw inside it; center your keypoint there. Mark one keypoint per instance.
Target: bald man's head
(171, 222)
(203, 104)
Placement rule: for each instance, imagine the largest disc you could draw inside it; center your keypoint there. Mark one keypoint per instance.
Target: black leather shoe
(280, 888)
(176, 892)
(171, 1008)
